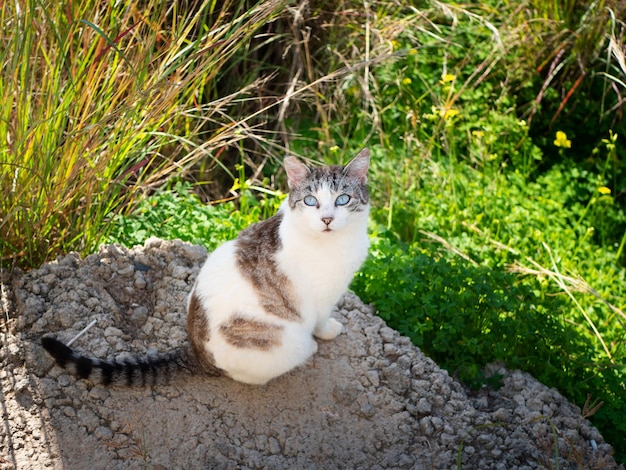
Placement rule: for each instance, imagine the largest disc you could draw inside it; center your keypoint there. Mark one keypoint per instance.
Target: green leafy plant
(454, 248)
(179, 213)
(569, 72)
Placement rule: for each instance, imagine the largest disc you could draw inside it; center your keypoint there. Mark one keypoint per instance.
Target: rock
(368, 399)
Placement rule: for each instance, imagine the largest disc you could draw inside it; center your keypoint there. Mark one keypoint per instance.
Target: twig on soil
(82, 332)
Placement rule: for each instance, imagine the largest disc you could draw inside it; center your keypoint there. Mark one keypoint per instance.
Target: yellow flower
(236, 185)
(406, 81)
(447, 78)
(478, 134)
(562, 141)
(394, 44)
(604, 190)
(445, 113)
(412, 51)
(450, 113)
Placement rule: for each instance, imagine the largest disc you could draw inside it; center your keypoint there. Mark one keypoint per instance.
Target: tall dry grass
(99, 100)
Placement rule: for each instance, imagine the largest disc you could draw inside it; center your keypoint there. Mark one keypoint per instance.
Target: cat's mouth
(327, 230)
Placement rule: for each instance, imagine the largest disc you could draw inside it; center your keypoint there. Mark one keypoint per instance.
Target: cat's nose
(327, 220)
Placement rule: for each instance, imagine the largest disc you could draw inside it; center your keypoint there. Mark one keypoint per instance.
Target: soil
(367, 400)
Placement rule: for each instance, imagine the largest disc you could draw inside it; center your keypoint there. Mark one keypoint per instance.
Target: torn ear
(296, 171)
(357, 168)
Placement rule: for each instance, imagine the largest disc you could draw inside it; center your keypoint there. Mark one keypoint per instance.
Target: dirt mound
(368, 399)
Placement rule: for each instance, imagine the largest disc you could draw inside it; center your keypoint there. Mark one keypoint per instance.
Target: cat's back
(233, 272)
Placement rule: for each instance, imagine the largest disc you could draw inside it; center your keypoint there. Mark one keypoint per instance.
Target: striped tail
(132, 372)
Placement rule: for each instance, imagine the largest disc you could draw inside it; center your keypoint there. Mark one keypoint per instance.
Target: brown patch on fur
(199, 333)
(251, 334)
(256, 258)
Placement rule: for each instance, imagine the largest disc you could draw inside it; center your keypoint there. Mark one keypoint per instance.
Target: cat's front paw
(328, 330)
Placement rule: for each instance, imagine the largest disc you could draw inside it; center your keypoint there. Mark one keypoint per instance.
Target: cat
(259, 300)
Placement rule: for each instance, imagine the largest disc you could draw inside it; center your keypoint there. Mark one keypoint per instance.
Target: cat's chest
(321, 269)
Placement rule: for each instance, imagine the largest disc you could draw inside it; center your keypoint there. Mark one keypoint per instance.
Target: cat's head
(330, 198)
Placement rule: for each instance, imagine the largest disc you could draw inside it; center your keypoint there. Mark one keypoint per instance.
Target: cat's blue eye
(310, 201)
(342, 200)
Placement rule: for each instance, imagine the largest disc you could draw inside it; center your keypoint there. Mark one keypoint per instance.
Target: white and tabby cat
(259, 299)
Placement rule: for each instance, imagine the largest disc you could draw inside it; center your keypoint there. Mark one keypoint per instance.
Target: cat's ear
(296, 171)
(357, 168)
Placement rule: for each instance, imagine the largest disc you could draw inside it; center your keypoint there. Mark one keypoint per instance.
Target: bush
(178, 213)
(480, 265)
